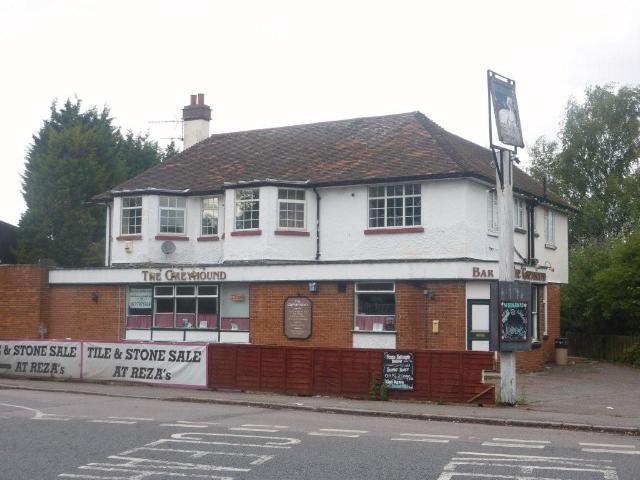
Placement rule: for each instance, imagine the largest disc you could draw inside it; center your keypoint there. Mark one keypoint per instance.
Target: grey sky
(273, 63)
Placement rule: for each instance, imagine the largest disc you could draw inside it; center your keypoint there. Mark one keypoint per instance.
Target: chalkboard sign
(397, 370)
(514, 321)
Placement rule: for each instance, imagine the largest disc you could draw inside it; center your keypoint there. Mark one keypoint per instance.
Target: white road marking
(198, 438)
(260, 425)
(511, 445)
(450, 437)
(141, 474)
(135, 462)
(246, 429)
(337, 432)
(530, 457)
(424, 437)
(516, 440)
(182, 425)
(118, 422)
(189, 422)
(259, 458)
(138, 419)
(38, 414)
(423, 440)
(606, 445)
(608, 450)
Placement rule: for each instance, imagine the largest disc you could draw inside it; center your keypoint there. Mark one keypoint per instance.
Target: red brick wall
(22, 296)
(332, 314)
(448, 306)
(71, 312)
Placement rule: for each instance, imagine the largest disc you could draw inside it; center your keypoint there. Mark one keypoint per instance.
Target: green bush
(632, 355)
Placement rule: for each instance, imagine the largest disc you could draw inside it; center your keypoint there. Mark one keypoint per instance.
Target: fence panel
(453, 376)
(600, 347)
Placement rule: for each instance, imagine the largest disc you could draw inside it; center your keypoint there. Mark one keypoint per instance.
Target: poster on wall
(37, 358)
(514, 321)
(297, 317)
(167, 364)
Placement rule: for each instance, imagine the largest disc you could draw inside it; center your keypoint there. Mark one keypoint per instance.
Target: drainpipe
(317, 223)
(108, 235)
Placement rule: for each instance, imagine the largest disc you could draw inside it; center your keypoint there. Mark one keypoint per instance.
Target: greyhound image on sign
(513, 321)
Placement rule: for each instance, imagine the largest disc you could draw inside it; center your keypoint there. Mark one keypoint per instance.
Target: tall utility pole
(501, 92)
(506, 272)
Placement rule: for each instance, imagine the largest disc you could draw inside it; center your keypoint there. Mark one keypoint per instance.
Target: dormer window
(247, 209)
(290, 208)
(395, 205)
(131, 216)
(172, 214)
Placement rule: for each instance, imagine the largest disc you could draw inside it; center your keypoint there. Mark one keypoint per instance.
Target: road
(51, 435)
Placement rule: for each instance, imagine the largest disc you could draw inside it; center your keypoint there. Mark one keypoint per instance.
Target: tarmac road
(58, 435)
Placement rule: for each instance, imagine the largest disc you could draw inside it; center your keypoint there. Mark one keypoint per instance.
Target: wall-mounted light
(95, 296)
(429, 293)
(314, 287)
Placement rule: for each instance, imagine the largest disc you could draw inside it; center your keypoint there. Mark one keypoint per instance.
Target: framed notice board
(397, 370)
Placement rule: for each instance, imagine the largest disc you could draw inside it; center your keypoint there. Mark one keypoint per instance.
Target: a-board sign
(397, 370)
(297, 317)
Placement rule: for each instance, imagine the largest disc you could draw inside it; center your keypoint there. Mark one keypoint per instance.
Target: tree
(74, 156)
(594, 162)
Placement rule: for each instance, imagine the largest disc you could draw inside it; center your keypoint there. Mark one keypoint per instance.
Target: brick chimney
(196, 117)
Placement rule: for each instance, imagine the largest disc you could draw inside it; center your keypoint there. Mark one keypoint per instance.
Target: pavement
(584, 396)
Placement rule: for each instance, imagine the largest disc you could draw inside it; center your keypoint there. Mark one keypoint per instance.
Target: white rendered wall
(195, 131)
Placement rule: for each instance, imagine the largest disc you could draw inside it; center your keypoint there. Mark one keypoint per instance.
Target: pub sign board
(397, 370)
(510, 313)
(297, 317)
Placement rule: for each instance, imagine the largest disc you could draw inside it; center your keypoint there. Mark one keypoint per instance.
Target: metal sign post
(501, 92)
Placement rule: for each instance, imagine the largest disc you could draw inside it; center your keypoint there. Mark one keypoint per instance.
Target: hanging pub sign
(505, 108)
(510, 316)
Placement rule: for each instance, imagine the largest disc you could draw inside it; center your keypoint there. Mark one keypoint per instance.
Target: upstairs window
(519, 213)
(290, 208)
(550, 227)
(395, 206)
(209, 216)
(492, 211)
(247, 209)
(172, 213)
(131, 216)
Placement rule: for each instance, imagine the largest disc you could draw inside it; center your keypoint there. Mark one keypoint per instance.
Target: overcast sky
(274, 63)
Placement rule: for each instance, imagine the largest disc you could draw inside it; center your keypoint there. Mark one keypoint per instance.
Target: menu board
(297, 317)
(397, 370)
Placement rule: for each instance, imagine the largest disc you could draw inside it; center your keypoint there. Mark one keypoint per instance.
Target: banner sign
(168, 364)
(397, 370)
(40, 358)
(505, 108)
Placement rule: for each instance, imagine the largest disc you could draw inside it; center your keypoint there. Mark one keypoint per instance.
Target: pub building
(373, 232)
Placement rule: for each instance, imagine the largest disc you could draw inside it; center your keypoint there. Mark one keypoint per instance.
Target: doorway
(478, 325)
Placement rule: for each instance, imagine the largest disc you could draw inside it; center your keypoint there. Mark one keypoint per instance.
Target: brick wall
(72, 313)
(448, 306)
(22, 297)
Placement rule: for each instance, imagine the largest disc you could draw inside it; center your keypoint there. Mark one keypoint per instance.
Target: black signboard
(397, 370)
(514, 321)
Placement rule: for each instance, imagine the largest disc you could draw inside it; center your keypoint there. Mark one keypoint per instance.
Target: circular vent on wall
(168, 247)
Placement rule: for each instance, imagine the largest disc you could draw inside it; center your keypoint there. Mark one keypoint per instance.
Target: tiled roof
(361, 150)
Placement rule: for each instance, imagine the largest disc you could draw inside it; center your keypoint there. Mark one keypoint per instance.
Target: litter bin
(562, 350)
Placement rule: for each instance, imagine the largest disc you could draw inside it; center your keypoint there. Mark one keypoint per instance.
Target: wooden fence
(600, 347)
(453, 376)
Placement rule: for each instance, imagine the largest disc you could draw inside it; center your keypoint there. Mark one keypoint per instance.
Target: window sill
(129, 237)
(492, 234)
(246, 233)
(550, 246)
(208, 238)
(176, 238)
(535, 344)
(519, 230)
(392, 230)
(382, 332)
(292, 233)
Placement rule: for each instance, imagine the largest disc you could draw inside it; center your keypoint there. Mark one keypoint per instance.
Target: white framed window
(291, 208)
(247, 209)
(519, 213)
(172, 214)
(131, 216)
(209, 212)
(534, 313)
(550, 227)
(185, 306)
(375, 309)
(492, 211)
(395, 205)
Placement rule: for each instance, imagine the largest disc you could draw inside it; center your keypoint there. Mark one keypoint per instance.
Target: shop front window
(375, 307)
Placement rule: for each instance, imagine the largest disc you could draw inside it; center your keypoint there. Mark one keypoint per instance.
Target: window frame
(215, 209)
(238, 202)
(549, 227)
(385, 318)
(404, 196)
(171, 208)
(535, 313)
(493, 226)
(302, 202)
(520, 214)
(137, 226)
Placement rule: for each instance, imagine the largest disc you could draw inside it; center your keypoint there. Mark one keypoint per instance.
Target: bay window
(131, 216)
(247, 209)
(375, 306)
